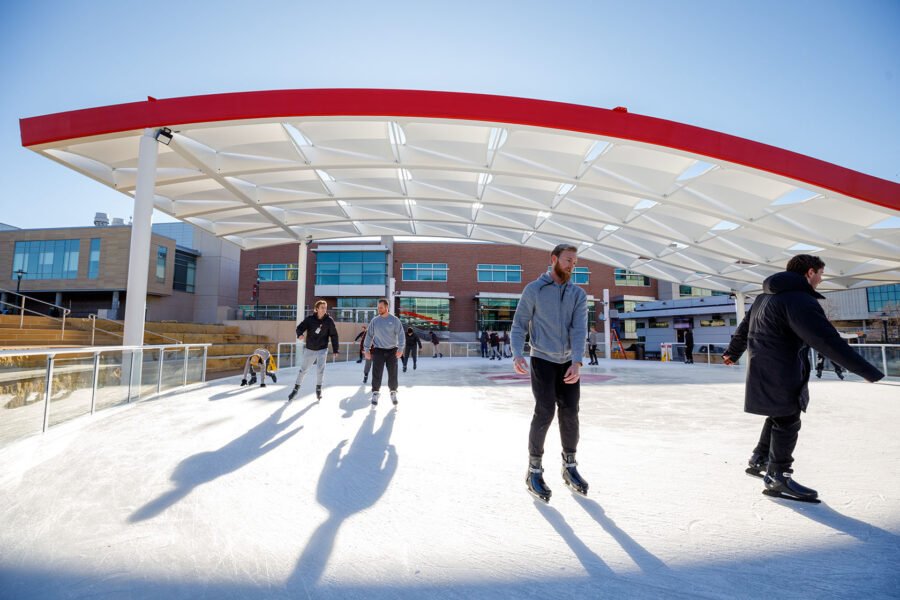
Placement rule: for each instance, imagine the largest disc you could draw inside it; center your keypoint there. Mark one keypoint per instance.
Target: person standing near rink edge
(553, 311)
(384, 345)
(782, 323)
(261, 362)
(318, 327)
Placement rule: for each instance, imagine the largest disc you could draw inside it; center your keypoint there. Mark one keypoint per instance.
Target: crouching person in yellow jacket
(261, 361)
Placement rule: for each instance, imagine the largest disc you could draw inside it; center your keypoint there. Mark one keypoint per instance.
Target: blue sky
(820, 78)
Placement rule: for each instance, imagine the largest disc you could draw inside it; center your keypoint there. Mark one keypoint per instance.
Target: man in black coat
(784, 321)
(689, 346)
(413, 345)
(318, 328)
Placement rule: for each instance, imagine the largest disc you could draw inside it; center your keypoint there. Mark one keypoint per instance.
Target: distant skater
(820, 366)
(593, 339)
(262, 362)
(783, 321)
(434, 342)
(384, 345)
(555, 312)
(318, 328)
(413, 345)
(688, 347)
(361, 338)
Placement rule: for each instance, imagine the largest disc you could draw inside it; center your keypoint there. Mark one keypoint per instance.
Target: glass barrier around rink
(84, 380)
(22, 381)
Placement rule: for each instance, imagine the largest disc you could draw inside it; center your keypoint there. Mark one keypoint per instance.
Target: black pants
(410, 351)
(592, 350)
(380, 358)
(689, 354)
(778, 440)
(550, 392)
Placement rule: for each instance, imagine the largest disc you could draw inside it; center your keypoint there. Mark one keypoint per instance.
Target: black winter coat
(318, 331)
(783, 323)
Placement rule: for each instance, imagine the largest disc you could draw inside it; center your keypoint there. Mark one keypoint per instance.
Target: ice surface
(228, 492)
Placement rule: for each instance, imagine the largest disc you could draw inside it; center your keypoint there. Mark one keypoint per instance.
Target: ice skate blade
(774, 494)
(753, 472)
(576, 489)
(541, 497)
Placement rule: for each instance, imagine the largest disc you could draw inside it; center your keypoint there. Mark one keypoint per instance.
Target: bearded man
(553, 311)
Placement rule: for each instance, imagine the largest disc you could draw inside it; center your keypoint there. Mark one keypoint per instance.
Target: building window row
(626, 277)
(277, 272)
(884, 298)
(687, 291)
(424, 271)
(351, 268)
(46, 259)
(424, 313)
(94, 259)
(161, 254)
(501, 273)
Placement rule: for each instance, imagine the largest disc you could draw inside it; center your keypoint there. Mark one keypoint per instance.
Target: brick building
(453, 287)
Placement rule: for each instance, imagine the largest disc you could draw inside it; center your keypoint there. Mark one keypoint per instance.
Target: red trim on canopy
(453, 105)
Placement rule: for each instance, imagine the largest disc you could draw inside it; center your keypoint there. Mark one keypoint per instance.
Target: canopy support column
(302, 252)
(139, 255)
(739, 306)
(606, 324)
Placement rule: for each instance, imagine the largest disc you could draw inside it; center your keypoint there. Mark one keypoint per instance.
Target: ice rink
(229, 492)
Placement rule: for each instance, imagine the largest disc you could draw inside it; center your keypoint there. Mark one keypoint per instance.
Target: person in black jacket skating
(318, 328)
(413, 345)
(784, 321)
(688, 346)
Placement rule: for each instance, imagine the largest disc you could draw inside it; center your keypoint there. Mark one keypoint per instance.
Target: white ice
(228, 492)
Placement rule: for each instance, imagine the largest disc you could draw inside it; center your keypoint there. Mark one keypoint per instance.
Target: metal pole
(48, 384)
(93, 327)
(22, 313)
(203, 374)
(606, 324)
(94, 380)
(130, 375)
(184, 372)
(884, 359)
(139, 254)
(301, 280)
(161, 356)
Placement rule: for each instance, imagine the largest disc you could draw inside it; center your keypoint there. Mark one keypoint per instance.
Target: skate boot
(252, 378)
(274, 379)
(263, 384)
(781, 485)
(757, 465)
(374, 398)
(394, 398)
(570, 475)
(534, 480)
(365, 378)
(318, 392)
(293, 393)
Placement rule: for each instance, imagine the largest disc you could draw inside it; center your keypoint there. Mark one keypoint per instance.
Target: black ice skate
(293, 393)
(318, 392)
(374, 398)
(394, 398)
(274, 379)
(252, 378)
(781, 485)
(570, 475)
(757, 465)
(534, 481)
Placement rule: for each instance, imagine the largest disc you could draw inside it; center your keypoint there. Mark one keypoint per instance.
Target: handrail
(94, 318)
(91, 350)
(22, 310)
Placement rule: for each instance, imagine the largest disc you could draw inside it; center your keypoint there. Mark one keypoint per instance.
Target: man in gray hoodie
(553, 311)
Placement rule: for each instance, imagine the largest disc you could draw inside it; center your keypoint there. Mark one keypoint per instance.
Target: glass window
(580, 275)
(424, 271)
(277, 272)
(46, 259)
(501, 273)
(883, 297)
(496, 314)
(713, 321)
(654, 324)
(351, 268)
(686, 291)
(161, 252)
(424, 313)
(626, 277)
(94, 261)
(185, 271)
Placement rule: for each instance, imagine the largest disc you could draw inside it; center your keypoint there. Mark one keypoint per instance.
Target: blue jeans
(310, 357)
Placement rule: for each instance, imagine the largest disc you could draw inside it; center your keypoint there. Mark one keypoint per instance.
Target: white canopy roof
(671, 201)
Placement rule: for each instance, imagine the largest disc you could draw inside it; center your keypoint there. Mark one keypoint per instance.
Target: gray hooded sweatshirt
(555, 317)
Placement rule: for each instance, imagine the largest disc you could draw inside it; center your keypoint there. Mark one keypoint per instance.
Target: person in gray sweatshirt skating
(384, 345)
(553, 311)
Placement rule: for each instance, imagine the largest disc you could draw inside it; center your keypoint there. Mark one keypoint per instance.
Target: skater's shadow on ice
(230, 393)
(824, 514)
(349, 484)
(359, 400)
(589, 559)
(646, 561)
(207, 466)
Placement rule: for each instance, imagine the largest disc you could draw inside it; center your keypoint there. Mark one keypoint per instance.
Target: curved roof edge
(171, 112)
